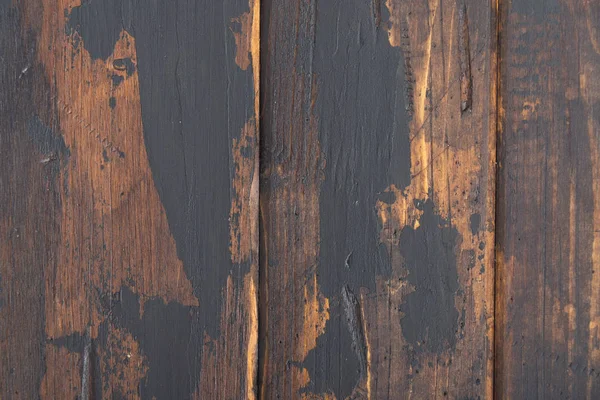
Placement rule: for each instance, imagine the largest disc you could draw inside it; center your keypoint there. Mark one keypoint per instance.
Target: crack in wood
(466, 80)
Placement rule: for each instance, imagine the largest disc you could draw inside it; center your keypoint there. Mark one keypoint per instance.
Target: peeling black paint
(364, 136)
(333, 365)
(99, 24)
(112, 102)
(430, 315)
(170, 337)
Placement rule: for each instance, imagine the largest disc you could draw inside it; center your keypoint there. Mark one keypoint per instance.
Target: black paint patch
(195, 101)
(475, 222)
(99, 24)
(112, 102)
(334, 364)
(169, 336)
(364, 136)
(430, 316)
(116, 80)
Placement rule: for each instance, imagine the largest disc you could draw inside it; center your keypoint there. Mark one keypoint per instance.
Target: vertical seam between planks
(262, 243)
(496, 4)
(256, 74)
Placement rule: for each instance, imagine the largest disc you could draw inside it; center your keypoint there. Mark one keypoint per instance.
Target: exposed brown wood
(379, 138)
(548, 343)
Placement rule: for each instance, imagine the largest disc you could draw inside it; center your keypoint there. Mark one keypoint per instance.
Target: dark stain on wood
(431, 319)
(548, 341)
(52, 146)
(46, 141)
(29, 205)
(475, 223)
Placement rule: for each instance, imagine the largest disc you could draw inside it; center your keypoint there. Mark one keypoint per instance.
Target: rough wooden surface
(548, 303)
(129, 184)
(424, 198)
(377, 199)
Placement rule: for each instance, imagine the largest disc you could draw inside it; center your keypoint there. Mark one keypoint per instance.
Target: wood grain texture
(377, 199)
(142, 173)
(548, 285)
(129, 161)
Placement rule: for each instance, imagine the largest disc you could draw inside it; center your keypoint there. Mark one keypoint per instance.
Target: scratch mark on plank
(466, 81)
(353, 313)
(85, 374)
(377, 12)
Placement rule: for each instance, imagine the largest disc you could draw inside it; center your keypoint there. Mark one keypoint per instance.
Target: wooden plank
(377, 199)
(548, 305)
(129, 188)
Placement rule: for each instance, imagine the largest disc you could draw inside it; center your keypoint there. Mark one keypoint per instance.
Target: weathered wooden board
(128, 199)
(548, 302)
(131, 212)
(377, 199)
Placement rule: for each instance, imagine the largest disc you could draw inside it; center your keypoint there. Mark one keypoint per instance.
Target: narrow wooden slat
(129, 215)
(548, 304)
(377, 199)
